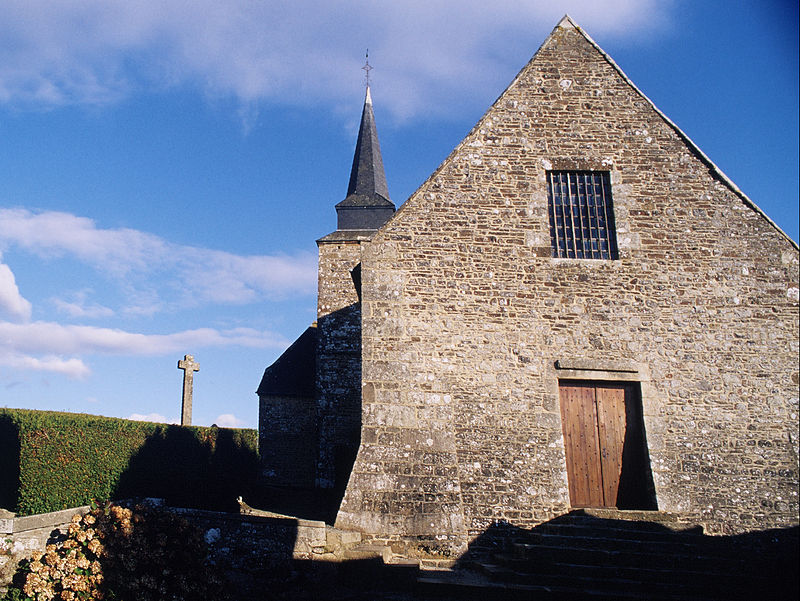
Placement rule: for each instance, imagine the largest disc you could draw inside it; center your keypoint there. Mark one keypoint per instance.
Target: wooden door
(595, 424)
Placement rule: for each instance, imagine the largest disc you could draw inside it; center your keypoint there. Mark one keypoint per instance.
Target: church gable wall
(465, 314)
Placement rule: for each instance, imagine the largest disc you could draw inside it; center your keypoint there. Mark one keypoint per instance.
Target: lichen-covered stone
(338, 361)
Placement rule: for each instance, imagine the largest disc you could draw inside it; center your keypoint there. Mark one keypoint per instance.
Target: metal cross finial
(367, 67)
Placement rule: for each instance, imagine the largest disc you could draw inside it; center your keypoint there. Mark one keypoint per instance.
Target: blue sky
(165, 168)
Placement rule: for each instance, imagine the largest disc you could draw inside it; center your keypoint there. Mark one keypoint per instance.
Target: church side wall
(287, 429)
(338, 362)
(465, 314)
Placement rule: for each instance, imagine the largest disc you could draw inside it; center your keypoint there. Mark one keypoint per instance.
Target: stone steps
(605, 543)
(606, 554)
(635, 582)
(672, 557)
(636, 518)
(655, 573)
(614, 530)
(464, 585)
(368, 551)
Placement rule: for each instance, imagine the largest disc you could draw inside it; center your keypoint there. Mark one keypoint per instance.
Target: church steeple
(367, 205)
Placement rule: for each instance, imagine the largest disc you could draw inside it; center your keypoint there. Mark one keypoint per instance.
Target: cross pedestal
(188, 366)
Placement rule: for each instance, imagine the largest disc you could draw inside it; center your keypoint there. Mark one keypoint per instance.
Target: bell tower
(363, 211)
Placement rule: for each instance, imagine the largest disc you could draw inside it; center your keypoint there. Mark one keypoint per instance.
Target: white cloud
(79, 307)
(226, 420)
(96, 51)
(73, 367)
(151, 274)
(44, 346)
(57, 339)
(11, 301)
(53, 233)
(229, 420)
(151, 417)
(133, 257)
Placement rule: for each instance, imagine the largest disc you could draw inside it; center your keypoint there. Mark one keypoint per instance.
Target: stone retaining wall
(21, 537)
(248, 548)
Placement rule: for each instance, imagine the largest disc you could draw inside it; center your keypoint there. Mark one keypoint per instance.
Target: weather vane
(367, 67)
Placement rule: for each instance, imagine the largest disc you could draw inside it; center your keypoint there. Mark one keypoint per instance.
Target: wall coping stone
(248, 517)
(15, 524)
(52, 519)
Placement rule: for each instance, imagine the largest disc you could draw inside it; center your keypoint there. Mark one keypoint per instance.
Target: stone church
(576, 309)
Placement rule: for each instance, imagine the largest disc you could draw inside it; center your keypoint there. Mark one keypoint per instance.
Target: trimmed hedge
(51, 461)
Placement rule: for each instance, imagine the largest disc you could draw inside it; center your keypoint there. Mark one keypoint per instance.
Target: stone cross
(188, 366)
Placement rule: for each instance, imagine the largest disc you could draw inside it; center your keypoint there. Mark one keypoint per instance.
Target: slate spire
(367, 205)
(367, 177)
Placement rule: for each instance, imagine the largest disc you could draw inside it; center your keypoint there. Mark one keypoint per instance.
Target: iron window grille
(581, 215)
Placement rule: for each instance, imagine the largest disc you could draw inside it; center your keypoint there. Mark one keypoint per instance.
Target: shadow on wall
(636, 487)
(339, 391)
(339, 403)
(187, 470)
(287, 415)
(310, 419)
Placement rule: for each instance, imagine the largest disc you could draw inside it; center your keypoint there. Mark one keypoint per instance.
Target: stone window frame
(582, 223)
(623, 194)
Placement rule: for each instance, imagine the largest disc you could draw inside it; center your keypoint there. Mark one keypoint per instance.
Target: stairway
(612, 554)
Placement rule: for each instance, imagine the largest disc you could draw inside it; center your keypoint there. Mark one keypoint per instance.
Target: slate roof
(294, 373)
(367, 187)
(348, 236)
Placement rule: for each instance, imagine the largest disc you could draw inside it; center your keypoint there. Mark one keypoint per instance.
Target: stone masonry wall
(338, 359)
(287, 440)
(465, 314)
(249, 549)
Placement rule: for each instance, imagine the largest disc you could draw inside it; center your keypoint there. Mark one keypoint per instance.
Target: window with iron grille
(581, 215)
